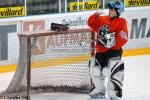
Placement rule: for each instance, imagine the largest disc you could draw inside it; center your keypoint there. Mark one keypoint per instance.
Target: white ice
(5, 79)
(136, 82)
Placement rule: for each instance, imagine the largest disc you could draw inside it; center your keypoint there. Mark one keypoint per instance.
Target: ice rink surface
(136, 82)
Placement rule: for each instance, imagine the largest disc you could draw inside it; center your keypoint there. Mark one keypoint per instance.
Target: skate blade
(99, 98)
(116, 98)
(103, 98)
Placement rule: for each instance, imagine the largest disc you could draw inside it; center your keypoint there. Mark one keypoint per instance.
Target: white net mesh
(58, 60)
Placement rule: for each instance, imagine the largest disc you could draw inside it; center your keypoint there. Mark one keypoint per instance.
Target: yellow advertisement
(86, 5)
(12, 11)
(131, 3)
(90, 0)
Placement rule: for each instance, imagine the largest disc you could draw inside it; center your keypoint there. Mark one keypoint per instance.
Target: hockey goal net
(52, 61)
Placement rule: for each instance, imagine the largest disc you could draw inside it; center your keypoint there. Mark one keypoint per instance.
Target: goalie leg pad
(96, 77)
(96, 71)
(117, 75)
(106, 71)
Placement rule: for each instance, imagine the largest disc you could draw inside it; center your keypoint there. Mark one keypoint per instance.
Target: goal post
(52, 61)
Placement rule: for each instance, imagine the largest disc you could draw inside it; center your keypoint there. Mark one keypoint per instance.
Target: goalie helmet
(117, 5)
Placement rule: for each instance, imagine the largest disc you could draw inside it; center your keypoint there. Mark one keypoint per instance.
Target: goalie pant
(117, 70)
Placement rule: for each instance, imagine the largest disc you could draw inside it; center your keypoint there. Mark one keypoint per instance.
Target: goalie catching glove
(105, 38)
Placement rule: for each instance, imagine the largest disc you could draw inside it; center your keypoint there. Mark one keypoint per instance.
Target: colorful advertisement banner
(36, 25)
(131, 3)
(84, 5)
(90, 0)
(12, 11)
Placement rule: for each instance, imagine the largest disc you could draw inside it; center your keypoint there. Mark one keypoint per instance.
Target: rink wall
(138, 20)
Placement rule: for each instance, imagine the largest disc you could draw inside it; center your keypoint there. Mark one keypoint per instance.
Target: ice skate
(115, 98)
(97, 94)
